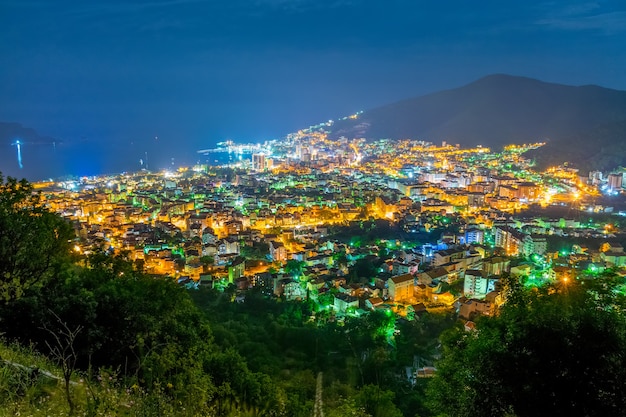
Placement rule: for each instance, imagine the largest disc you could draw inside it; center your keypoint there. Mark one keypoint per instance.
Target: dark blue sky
(194, 72)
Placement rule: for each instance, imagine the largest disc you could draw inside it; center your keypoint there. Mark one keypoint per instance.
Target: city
(446, 238)
(291, 221)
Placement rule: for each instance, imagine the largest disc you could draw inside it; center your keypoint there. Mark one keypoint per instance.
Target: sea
(87, 159)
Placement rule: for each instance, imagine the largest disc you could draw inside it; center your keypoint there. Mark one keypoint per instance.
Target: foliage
(377, 402)
(555, 351)
(294, 267)
(129, 344)
(364, 268)
(19, 382)
(33, 241)
(347, 408)
(417, 340)
(30, 385)
(366, 232)
(258, 250)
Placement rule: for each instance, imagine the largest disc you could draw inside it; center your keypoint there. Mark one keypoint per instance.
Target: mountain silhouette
(584, 125)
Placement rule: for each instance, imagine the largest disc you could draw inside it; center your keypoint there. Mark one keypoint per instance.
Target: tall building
(478, 283)
(595, 177)
(278, 251)
(474, 235)
(509, 239)
(401, 287)
(615, 181)
(534, 244)
(258, 162)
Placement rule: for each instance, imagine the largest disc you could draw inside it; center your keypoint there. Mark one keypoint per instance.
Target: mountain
(10, 132)
(583, 125)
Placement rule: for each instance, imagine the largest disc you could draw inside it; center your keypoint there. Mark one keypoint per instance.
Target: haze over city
(110, 77)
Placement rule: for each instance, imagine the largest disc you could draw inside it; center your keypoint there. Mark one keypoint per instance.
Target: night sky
(193, 73)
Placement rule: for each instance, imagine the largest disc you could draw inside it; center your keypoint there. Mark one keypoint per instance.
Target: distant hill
(9, 132)
(583, 125)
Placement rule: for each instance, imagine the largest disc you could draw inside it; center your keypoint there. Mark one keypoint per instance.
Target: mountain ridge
(499, 109)
(583, 125)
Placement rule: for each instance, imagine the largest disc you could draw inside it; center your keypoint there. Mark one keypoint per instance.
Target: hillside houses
(449, 223)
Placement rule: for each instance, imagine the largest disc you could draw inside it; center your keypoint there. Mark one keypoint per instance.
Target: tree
(258, 250)
(33, 241)
(556, 351)
(377, 402)
(148, 329)
(340, 259)
(207, 262)
(363, 268)
(62, 349)
(294, 267)
(347, 408)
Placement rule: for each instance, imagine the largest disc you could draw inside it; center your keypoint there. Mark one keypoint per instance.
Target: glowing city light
(18, 145)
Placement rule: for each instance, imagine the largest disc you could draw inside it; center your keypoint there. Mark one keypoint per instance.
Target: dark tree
(33, 241)
(558, 351)
(294, 267)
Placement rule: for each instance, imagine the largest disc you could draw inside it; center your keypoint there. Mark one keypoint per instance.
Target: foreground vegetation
(96, 336)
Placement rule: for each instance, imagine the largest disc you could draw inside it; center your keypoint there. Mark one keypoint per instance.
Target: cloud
(300, 6)
(580, 9)
(100, 8)
(584, 16)
(607, 22)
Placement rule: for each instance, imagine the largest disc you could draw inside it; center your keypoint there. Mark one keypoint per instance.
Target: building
(509, 239)
(436, 205)
(614, 258)
(614, 181)
(230, 245)
(595, 177)
(401, 268)
(522, 270)
(292, 290)
(446, 256)
(258, 162)
(528, 191)
(373, 302)
(474, 235)
(401, 287)
(343, 302)
(496, 265)
(478, 283)
(472, 308)
(534, 244)
(236, 269)
(278, 251)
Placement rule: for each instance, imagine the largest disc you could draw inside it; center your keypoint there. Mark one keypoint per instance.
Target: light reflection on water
(44, 161)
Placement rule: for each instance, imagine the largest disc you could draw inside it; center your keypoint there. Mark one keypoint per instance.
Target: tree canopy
(555, 351)
(33, 241)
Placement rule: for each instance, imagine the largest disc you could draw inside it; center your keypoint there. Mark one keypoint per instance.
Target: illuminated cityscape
(458, 217)
(176, 242)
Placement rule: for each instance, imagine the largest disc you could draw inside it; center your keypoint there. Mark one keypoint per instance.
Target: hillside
(589, 121)
(9, 132)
